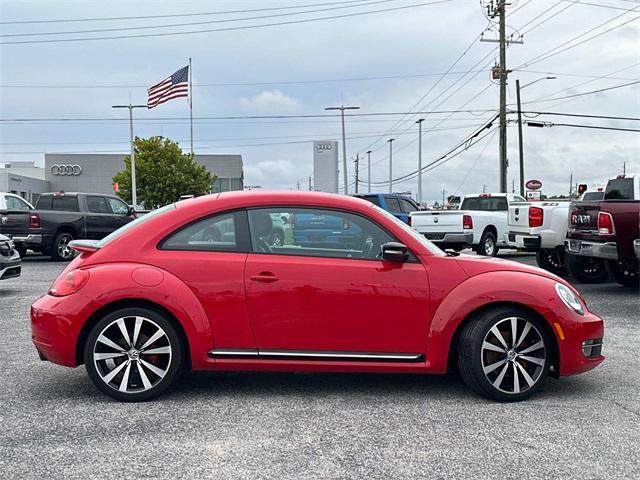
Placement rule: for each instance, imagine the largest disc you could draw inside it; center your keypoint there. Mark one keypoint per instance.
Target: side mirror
(395, 252)
(131, 211)
(3, 211)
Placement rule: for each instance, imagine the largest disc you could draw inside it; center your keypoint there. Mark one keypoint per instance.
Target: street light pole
(345, 179)
(134, 194)
(369, 169)
(419, 122)
(520, 143)
(390, 141)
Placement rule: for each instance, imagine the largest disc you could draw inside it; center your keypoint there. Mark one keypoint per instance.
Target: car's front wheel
(133, 354)
(504, 354)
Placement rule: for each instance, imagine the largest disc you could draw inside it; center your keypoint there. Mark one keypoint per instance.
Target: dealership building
(75, 172)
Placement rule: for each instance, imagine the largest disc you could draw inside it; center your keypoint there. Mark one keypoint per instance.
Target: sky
(385, 56)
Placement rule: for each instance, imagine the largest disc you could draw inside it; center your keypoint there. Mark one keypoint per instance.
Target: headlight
(569, 298)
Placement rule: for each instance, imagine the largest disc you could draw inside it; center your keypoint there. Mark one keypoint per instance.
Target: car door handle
(264, 277)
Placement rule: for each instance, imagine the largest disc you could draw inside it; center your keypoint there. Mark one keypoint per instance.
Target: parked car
(324, 230)
(480, 223)
(398, 204)
(61, 217)
(541, 227)
(10, 263)
(153, 297)
(606, 231)
(14, 221)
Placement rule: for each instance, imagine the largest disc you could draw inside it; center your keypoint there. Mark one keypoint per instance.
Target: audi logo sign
(74, 170)
(321, 147)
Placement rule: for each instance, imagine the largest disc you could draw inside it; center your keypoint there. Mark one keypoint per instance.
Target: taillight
(536, 216)
(69, 283)
(34, 220)
(467, 222)
(605, 224)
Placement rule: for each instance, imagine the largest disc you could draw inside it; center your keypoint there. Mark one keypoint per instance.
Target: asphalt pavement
(55, 424)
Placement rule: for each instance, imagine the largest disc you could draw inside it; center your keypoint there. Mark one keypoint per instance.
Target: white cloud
(271, 101)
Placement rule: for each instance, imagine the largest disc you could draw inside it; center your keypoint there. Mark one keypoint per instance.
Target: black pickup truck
(61, 217)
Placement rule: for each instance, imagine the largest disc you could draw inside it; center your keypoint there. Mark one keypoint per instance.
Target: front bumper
(523, 241)
(449, 238)
(11, 266)
(56, 323)
(584, 248)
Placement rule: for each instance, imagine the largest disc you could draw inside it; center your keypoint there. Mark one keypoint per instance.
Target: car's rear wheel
(133, 354)
(587, 269)
(60, 250)
(625, 274)
(487, 246)
(504, 354)
(552, 260)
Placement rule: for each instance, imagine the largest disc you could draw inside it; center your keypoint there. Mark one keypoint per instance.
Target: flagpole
(191, 105)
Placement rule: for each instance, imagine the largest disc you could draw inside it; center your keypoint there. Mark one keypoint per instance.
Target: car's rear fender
(114, 284)
(533, 292)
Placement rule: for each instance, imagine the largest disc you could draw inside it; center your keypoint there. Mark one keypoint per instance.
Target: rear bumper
(584, 248)
(28, 240)
(449, 238)
(523, 241)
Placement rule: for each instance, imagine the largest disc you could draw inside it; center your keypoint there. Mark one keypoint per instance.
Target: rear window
(592, 196)
(371, 198)
(115, 234)
(619, 189)
(63, 204)
(485, 204)
(393, 205)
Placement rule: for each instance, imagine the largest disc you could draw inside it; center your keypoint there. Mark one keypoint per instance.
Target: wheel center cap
(511, 355)
(133, 354)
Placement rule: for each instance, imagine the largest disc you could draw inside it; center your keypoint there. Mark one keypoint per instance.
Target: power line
(141, 17)
(227, 29)
(581, 115)
(584, 93)
(577, 125)
(601, 5)
(208, 22)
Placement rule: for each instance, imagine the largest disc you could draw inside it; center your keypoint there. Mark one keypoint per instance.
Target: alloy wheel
(64, 251)
(132, 354)
(513, 355)
(489, 246)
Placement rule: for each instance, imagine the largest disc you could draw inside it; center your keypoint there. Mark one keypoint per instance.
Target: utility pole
(513, 185)
(134, 193)
(345, 180)
(369, 169)
(357, 162)
(310, 183)
(390, 141)
(570, 185)
(419, 122)
(624, 168)
(298, 184)
(443, 193)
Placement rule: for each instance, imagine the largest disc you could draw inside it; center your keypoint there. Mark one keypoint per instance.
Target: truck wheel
(587, 269)
(60, 250)
(552, 260)
(487, 245)
(22, 251)
(624, 274)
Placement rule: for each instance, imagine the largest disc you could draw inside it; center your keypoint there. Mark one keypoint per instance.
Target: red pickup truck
(607, 233)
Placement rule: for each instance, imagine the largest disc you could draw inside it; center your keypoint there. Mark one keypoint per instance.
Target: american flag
(174, 86)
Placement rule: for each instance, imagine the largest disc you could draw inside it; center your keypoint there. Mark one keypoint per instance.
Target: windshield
(428, 245)
(619, 189)
(133, 224)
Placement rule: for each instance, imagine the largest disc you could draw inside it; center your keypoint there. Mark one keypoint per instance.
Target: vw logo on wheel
(66, 170)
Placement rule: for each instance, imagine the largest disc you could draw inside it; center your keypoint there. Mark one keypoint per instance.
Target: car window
(487, 204)
(393, 205)
(314, 232)
(118, 207)
(371, 198)
(97, 205)
(131, 225)
(15, 203)
(407, 206)
(65, 204)
(212, 234)
(619, 189)
(518, 198)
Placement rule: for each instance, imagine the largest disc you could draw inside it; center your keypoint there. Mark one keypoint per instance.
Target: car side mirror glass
(395, 252)
(131, 211)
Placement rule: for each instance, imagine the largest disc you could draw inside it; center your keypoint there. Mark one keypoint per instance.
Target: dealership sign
(325, 166)
(533, 185)
(74, 170)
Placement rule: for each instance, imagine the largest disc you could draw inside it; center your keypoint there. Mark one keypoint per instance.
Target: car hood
(476, 265)
(3, 238)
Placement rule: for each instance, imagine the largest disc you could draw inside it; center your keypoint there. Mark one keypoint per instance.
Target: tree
(163, 173)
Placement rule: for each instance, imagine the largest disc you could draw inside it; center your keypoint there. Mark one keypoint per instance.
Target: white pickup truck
(480, 222)
(541, 227)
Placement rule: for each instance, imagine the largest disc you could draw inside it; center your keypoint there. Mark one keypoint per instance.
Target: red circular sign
(534, 185)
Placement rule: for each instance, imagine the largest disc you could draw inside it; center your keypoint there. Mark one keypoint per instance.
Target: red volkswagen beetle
(345, 286)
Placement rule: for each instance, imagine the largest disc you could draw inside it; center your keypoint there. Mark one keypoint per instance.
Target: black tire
(22, 251)
(625, 275)
(277, 238)
(587, 269)
(552, 260)
(59, 250)
(147, 374)
(474, 358)
(488, 245)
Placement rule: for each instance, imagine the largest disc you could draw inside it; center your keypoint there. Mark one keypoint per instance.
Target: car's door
(98, 220)
(333, 302)
(15, 222)
(120, 213)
